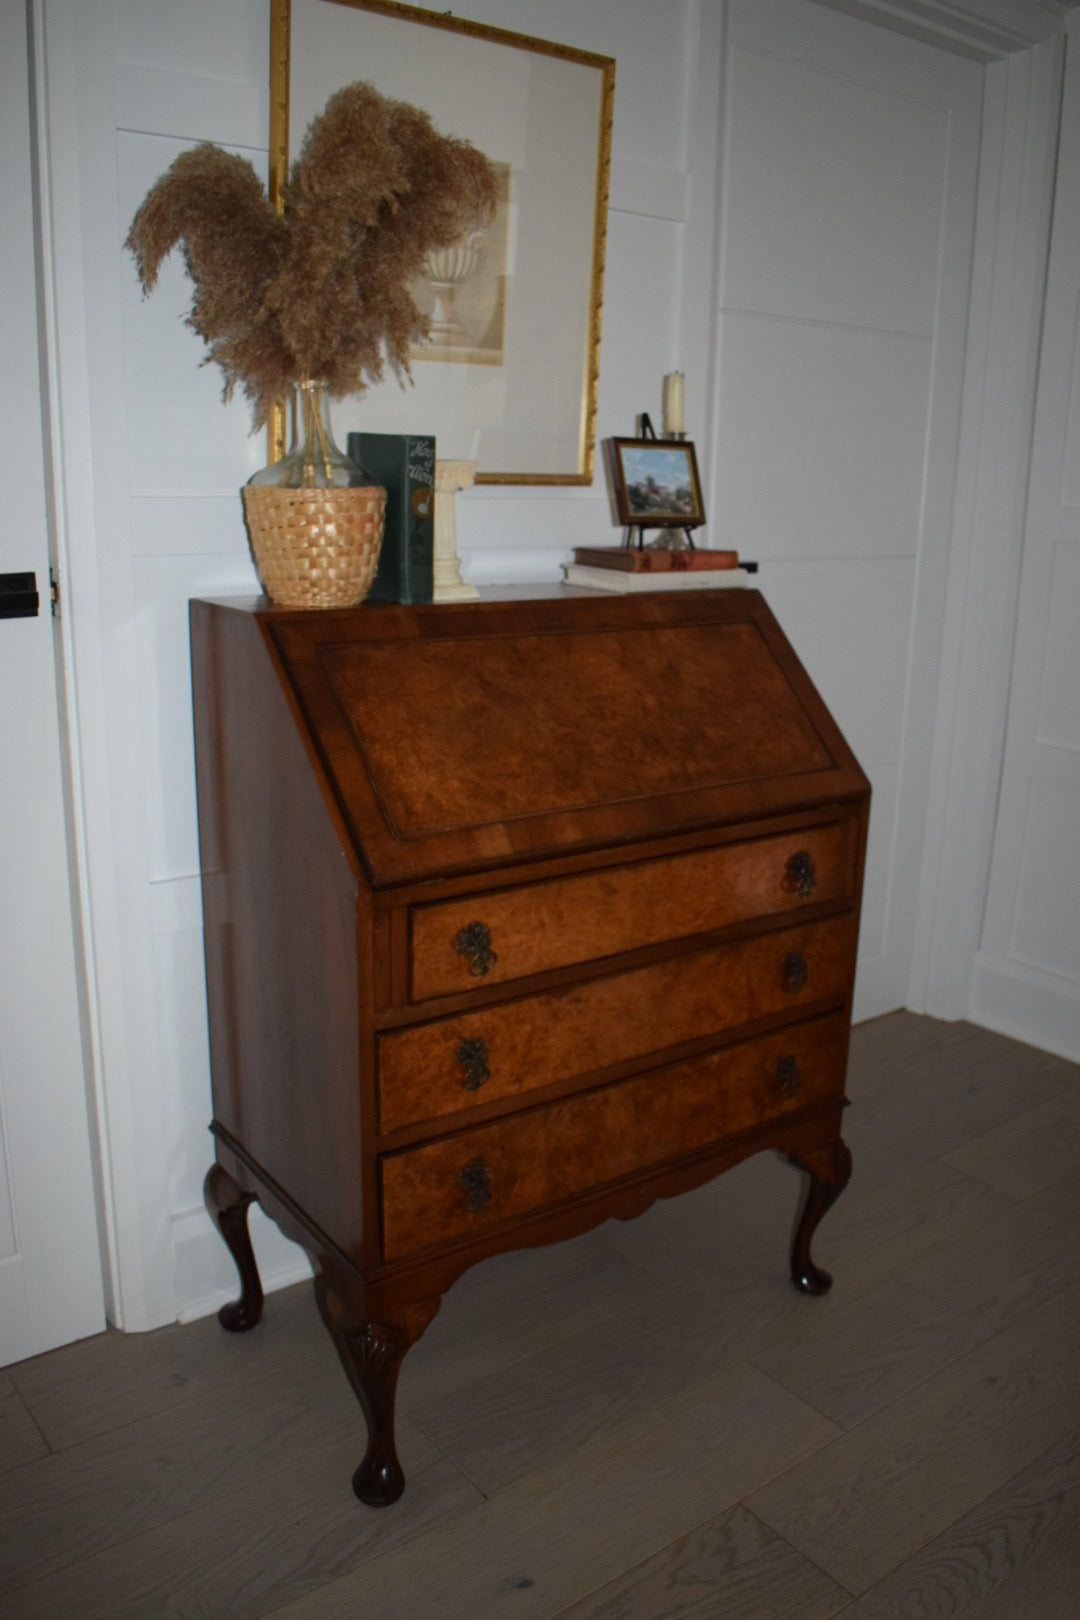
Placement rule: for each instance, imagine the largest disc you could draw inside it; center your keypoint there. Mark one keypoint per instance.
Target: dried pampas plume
(321, 291)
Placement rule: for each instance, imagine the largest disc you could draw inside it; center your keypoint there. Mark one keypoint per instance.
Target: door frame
(52, 1274)
(74, 56)
(1021, 118)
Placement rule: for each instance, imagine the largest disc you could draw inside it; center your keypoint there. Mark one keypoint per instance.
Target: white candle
(674, 420)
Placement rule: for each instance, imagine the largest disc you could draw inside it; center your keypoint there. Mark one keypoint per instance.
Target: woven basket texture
(315, 548)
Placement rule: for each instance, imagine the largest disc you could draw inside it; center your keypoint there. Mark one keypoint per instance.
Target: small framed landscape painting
(655, 483)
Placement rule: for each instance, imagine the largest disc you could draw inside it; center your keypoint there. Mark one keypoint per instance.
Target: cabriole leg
(228, 1207)
(829, 1169)
(372, 1353)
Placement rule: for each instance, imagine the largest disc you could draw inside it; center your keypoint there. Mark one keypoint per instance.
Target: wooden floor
(646, 1422)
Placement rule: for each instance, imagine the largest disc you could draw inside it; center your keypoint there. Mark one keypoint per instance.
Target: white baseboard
(206, 1277)
(1029, 1006)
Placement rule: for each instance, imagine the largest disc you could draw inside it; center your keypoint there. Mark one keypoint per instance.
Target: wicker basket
(315, 548)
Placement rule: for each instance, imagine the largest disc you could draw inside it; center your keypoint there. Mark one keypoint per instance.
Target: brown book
(631, 560)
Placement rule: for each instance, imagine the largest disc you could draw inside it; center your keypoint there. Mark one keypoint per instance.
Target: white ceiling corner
(984, 30)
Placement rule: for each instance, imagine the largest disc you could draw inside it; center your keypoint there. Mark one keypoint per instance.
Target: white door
(50, 1268)
(1027, 979)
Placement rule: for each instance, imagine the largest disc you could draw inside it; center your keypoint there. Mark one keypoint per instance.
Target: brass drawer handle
(474, 941)
(787, 1072)
(800, 874)
(475, 1181)
(473, 1057)
(794, 972)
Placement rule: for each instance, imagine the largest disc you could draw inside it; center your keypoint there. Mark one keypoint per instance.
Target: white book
(696, 579)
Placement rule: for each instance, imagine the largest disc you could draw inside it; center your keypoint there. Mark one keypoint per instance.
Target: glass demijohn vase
(314, 518)
(313, 460)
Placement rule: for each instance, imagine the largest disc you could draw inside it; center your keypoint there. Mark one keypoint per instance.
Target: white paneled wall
(159, 518)
(180, 81)
(791, 225)
(848, 211)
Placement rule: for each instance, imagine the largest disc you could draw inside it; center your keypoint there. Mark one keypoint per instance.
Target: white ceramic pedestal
(450, 476)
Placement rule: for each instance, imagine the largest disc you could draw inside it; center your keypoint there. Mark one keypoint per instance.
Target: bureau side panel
(285, 926)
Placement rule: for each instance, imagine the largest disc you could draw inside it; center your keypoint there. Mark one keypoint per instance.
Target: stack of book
(629, 568)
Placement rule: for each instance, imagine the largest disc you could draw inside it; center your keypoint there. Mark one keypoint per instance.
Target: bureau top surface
(454, 737)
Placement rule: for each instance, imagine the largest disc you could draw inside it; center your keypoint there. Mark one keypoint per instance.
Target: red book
(631, 560)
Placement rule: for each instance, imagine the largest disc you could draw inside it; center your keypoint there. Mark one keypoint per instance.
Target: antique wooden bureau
(519, 915)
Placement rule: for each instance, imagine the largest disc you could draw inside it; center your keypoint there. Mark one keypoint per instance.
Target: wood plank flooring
(645, 1423)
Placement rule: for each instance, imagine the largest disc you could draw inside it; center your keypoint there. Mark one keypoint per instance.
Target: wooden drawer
(445, 1191)
(487, 939)
(495, 1052)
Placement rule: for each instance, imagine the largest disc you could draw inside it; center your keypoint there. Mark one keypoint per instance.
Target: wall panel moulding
(984, 30)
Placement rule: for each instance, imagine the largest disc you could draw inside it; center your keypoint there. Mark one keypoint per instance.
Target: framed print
(508, 376)
(655, 483)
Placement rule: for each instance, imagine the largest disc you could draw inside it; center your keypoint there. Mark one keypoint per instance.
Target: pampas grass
(322, 290)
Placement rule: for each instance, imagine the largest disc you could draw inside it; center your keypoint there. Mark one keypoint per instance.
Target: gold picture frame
(516, 395)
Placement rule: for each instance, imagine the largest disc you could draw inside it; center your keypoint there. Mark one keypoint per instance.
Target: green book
(405, 464)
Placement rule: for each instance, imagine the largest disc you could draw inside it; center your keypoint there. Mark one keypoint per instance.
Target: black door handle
(19, 596)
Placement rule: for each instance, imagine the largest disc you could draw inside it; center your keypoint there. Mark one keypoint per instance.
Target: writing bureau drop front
(519, 915)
